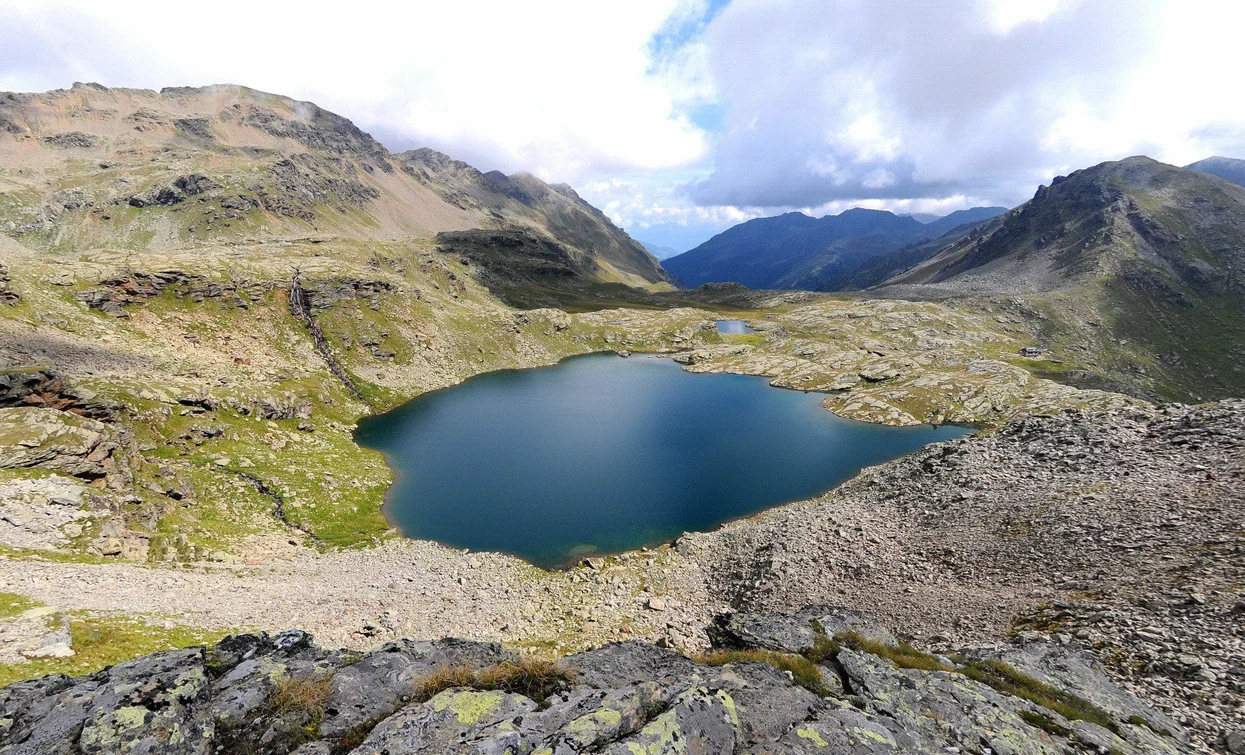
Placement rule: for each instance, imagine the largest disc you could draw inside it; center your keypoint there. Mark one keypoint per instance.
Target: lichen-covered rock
(834, 620)
(1077, 672)
(460, 720)
(701, 719)
(935, 710)
(384, 681)
(145, 705)
(282, 694)
(790, 634)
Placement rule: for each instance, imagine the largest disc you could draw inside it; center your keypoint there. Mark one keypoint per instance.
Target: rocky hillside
(1121, 529)
(822, 680)
(817, 254)
(1135, 268)
(92, 167)
(606, 251)
(882, 268)
(202, 291)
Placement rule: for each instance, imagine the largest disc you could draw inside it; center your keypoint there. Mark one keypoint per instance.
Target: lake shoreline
(597, 456)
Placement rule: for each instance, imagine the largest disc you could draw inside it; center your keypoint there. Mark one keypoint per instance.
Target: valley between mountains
(203, 290)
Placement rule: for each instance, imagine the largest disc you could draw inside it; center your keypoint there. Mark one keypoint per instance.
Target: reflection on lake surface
(734, 326)
(605, 454)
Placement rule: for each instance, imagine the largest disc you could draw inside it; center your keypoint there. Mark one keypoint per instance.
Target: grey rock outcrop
(42, 388)
(42, 437)
(7, 294)
(282, 694)
(72, 140)
(42, 513)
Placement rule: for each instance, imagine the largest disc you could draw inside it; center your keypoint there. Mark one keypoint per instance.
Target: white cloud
(891, 100)
(823, 104)
(1005, 15)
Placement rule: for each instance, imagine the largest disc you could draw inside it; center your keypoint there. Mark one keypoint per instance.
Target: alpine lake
(602, 454)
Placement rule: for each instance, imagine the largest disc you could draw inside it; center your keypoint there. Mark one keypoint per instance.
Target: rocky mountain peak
(260, 167)
(1100, 220)
(1140, 264)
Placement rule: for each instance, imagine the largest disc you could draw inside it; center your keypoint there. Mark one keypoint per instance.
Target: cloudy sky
(682, 117)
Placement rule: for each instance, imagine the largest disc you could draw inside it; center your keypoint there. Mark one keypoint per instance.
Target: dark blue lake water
(601, 454)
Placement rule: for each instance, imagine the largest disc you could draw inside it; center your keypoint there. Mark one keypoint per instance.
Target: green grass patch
(102, 641)
(35, 554)
(12, 604)
(1009, 681)
(823, 649)
(1045, 723)
(747, 339)
(902, 655)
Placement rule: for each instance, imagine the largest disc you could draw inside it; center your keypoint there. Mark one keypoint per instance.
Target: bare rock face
(7, 294)
(42, 513)
(41, 388)
(282, 694)
(31, 436)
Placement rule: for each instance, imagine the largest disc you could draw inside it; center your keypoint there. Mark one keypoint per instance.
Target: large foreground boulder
(777, 684)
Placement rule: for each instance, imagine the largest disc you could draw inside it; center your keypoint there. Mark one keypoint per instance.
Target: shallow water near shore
(736, 327)
(601, 454)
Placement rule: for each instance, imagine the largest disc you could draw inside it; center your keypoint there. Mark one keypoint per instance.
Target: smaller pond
(601, 454)
(734, 326)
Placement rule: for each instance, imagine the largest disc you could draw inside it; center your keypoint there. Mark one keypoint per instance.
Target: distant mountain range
(821, 254)
(660, 252)
(1134, 267)
(1226, 168)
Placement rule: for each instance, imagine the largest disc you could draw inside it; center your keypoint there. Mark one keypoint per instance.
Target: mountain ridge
(284, 167)
(794, 250)
(1140, 262)
(1227, 168)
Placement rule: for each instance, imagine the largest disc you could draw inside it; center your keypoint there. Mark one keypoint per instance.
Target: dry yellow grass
(533, 677)
(304, 696)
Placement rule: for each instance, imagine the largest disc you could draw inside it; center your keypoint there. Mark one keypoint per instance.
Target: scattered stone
(72, 140)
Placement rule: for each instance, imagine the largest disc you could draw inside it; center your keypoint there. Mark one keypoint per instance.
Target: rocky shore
(1122, 531)
(1116, 533)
